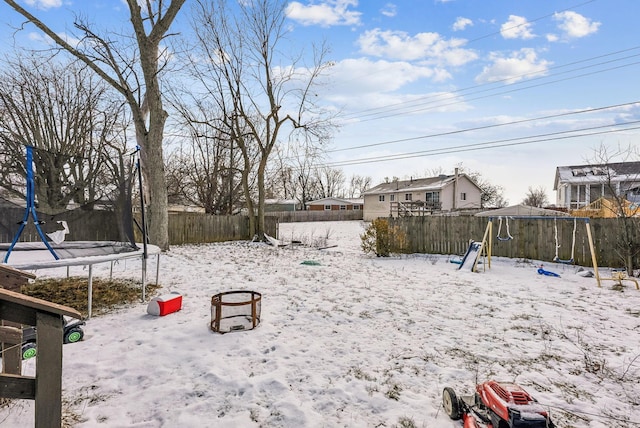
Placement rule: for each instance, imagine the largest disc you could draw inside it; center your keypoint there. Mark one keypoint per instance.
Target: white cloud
(430, 47)
(378, 76)
(46, 40)
(389, 10)
(517, 27)
(552, 37)
(40, 38)
(461, 23)
(44, 4)
(326, 14)
(575, 25)
(522, 64)
(360, 83)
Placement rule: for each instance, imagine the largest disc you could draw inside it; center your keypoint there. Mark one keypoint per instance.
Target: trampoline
(36, 256)
(55, 253)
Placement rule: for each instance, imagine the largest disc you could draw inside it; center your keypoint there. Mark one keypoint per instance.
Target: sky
(354, 341)
(507, 89)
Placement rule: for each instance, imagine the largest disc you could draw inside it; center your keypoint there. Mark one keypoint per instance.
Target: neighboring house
(335, 204)
(579, 186)
(178, 208)
(279, 205)
(421, 196)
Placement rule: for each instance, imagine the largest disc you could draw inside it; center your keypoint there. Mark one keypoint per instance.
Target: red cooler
(165, 304)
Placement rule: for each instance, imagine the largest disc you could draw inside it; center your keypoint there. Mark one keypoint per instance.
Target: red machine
(496, 405)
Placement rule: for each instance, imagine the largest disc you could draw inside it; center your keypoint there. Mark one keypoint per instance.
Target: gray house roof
(521, 211)
(581, 174)
(417, 184)
(338, 201)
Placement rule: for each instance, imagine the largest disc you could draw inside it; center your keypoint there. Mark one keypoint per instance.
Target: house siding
(333, 207)
(335, 204)
(473, 195)
(374, 208)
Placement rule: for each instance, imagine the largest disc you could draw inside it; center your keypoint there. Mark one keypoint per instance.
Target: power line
(402, 107)
(489, 144)
(498, 32)
(532, 20)
(486, 145)
(373, 109)
(478, 128)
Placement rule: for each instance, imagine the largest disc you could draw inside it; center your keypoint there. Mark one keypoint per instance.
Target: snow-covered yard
(355, 341)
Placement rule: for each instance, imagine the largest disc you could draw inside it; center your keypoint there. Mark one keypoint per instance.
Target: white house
(421, 196)
(580, 185)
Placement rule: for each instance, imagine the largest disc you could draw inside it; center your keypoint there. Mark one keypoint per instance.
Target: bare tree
(295, 173)
(330, 182)
(536, 197)
(117, 64)
(259, 101)
(358, 184)
(179, 186)
(435, 171)
(63, 111)
(120, 164)
(282, 182)
(491, 195)
(205, 170)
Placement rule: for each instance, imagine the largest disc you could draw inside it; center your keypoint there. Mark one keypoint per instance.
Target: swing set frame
(487, 240)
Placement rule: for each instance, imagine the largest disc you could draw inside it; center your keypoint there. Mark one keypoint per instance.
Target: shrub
(382, 239)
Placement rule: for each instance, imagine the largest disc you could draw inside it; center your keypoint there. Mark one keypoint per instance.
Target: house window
(327, 207)
(432, 196)
(463, 196)
(381, 198)
(392, 198)
(356, 207)
(343, 207)
(408, 196)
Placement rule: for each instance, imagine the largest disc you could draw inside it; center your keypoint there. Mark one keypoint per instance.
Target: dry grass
(108, 294)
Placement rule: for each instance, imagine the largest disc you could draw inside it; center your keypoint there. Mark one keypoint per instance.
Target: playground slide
(470, 257)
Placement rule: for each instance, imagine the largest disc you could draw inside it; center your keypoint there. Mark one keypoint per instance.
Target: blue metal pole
(31, 209)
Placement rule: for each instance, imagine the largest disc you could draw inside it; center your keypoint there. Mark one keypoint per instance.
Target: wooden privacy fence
(195, 228)
(97, 225)
(100, 225)
(299, 216)
(533, 239)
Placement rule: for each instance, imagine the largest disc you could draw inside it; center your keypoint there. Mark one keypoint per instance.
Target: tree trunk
(247, 190)
(158, 207)
(150, 140)
(260, 226)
